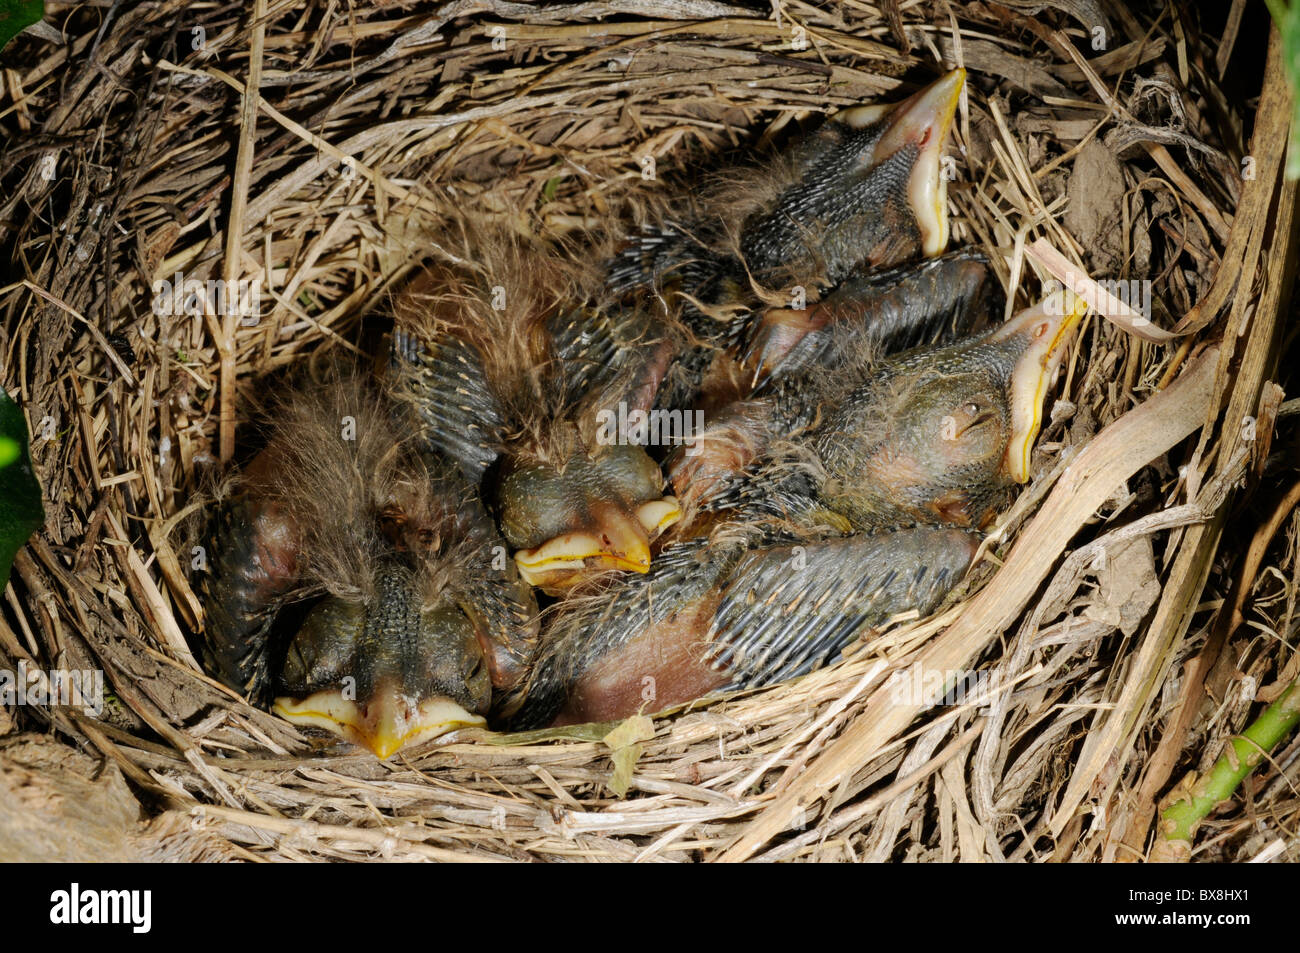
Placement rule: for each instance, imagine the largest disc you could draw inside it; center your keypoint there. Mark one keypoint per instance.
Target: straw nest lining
(1128, 161)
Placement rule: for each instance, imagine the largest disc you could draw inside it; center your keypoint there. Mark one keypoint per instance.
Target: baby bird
(868, 513)
(515, 371)
(415, 620)
(864, 191)
(791, 355)
(935, 434)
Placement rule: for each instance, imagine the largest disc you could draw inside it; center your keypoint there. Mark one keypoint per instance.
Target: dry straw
(313, 148)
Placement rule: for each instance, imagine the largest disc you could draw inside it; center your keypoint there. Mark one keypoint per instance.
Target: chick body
(868, 513)
(414, 621)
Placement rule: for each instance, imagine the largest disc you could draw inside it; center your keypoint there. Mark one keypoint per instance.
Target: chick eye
(966, 417)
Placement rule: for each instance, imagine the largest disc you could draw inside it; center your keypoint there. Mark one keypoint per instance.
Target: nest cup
(179, 245)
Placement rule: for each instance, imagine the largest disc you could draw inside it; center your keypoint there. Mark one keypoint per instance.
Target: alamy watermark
(133, 908)
(932, 687)
(653, 428)
(181, 295)
(1133, 293)
(31, 686)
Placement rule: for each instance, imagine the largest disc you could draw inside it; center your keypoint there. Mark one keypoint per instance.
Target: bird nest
(1128, 617)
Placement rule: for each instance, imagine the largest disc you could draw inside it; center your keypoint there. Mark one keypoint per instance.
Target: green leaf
(18, 15)
(1287, 18)
(550, 188)
(627, 750)
(21, 513)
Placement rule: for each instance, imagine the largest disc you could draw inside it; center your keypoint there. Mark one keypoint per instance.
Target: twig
(1194, 798)
(235, 228)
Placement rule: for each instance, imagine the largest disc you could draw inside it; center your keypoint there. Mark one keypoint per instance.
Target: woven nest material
(1121, 632)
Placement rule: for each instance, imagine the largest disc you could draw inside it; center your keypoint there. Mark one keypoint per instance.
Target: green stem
(1181, 818)
(1278, 9)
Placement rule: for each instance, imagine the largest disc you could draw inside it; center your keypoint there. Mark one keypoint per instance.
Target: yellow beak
(384, 724)
(1047, 327)
(614, 540)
